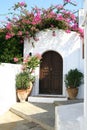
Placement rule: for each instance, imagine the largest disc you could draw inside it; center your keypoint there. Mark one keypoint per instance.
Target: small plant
(73, 78)
(23, 80)
(29, 64)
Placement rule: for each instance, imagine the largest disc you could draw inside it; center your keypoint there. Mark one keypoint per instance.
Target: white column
(85, 60)
(85, 66)
(85, 71)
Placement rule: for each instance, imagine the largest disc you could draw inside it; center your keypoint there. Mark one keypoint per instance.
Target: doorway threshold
(46, 98)
(51, 96)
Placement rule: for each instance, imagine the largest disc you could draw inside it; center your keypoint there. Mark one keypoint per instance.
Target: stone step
(46, 99)
(58, 103)
(40, 113)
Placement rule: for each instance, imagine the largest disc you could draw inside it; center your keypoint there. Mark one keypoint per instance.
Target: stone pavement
(10, 121)
(31, 116)
(40, 113)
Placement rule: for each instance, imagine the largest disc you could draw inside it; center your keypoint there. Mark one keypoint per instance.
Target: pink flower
(73, 17)
(33, 22)
(20, 33)
(14, 19)
(67, 1)
(59, 7)
(9, 25)
(75, 27)
(68, 21)
(80, 30)
(27, 33)
(37, 19)
(8, 36)
(26, 59)
(15, 59)
(23, 67)
(68, 31)
(60, 17)
(38, 56)
(22, 3)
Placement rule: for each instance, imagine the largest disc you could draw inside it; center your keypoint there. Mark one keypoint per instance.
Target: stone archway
(51, 73)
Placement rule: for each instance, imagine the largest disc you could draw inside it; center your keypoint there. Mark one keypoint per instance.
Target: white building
(60, 53)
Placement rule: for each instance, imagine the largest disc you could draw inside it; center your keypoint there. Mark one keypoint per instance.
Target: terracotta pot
(72, 93)
(29, 90)
(23, 94)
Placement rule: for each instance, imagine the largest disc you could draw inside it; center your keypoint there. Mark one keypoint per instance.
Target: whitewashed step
(46, 99)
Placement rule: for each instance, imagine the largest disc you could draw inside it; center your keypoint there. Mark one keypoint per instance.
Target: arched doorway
(51, 73)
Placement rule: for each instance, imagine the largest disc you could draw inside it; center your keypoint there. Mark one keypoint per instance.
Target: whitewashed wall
(7, 85)
(81, 17)
(67, 117)
(68, 45)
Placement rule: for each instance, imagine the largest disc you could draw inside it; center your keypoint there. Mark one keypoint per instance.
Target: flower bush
(26, 77)
(27, 24)
(10, 48)
(29, 63)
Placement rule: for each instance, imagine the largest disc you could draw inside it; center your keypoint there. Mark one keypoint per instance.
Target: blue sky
(6, 4)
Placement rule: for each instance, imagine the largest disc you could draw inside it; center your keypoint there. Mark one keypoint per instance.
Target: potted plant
(24, 85)
(26, 78)
(73, 79)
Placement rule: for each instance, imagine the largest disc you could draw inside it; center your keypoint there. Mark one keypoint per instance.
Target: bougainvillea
(27, 24)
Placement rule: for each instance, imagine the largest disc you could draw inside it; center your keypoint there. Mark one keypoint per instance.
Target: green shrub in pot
(23, 80)
(73, 79)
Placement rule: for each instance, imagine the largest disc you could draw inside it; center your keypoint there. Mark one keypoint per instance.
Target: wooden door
(51, 69)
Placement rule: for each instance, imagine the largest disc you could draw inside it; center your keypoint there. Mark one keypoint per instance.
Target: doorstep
(46, 98)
